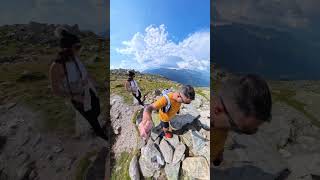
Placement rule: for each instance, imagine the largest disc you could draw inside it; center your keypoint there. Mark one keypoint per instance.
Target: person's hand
(144, 128)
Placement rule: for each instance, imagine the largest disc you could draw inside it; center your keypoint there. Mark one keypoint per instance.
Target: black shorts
(164, 124)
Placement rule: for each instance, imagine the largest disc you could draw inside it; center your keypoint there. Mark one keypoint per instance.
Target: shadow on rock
(246, 172)
(194, 125)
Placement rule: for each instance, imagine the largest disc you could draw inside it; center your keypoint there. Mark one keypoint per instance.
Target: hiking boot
(168, 134)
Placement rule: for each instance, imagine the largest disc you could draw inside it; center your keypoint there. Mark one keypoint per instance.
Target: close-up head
(131, 74)
(186, 94)
(68, 41)
(242, 104)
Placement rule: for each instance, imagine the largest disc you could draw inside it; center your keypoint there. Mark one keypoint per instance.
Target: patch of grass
(83, 165)
(121, 168)
(201, 93)
(9, 50)
(146, 84)
(287, 96)
(34, 90)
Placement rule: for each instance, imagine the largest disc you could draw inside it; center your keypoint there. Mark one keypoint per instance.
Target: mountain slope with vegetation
(130, 160)
(38, 127)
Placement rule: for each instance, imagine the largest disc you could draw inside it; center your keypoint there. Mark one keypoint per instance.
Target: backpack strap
(168, 106)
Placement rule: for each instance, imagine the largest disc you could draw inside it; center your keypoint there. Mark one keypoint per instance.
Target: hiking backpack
(165, 93)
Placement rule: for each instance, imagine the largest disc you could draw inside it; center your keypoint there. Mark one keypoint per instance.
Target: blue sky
(150, 34)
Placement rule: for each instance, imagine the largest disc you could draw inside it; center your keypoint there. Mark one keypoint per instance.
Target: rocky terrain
(185, 156)
(287, 147)
(42, 136)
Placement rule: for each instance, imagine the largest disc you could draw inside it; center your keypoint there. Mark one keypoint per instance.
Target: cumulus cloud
(153, 49)
(274, 13)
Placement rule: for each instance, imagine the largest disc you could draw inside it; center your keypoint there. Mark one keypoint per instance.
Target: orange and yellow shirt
(162, 102)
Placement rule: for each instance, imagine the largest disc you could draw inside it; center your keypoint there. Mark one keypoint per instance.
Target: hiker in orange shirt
(242, 105)
(168, 106)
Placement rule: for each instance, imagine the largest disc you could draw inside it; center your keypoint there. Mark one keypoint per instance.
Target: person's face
(239, 123)
(132, 76)
(183, 99)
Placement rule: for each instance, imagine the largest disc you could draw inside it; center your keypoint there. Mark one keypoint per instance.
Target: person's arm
(56, 75)
(127, 85)
(218, 138)
(146, 122)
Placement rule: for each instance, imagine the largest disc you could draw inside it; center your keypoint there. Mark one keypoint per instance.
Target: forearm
(147, 114)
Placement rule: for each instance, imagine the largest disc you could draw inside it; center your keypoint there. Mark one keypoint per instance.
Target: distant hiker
(168, 106)
(132, 86)
(241, 105)
(70, 79)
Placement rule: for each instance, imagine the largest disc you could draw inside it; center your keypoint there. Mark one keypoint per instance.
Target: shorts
(164, 124)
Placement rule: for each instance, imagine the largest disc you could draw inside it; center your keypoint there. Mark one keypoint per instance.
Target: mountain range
(275, 54)
(183, 76)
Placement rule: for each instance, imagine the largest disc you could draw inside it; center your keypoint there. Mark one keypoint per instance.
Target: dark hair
(131, 73)
(188, 91)
(252, 96)
(66, 38)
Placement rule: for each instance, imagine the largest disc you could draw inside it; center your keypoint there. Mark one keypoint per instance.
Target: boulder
(179, 153)
(172, 171)
(150, 160)
(166, 150)
(201, 146)
(304, 164)
(205, 119)
(134, 169)
(196, 167)
(174, 141)
(181, 120)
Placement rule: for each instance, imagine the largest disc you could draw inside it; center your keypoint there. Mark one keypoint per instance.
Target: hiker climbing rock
(70, 79)
(132, 86)
(241, 105)
(168, 105)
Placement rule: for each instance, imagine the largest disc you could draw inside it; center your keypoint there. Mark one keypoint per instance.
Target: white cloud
(153, 49)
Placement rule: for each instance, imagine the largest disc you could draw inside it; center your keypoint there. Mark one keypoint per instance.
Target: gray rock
(196, 167)
(257, 151)
(11, 105)
(33, 174)
(186, 138)
(24, 171)
(205, 119)
(25, 140)
(150, 160)
(198, 141)
(201, 146)
(174, 141)
(304, 164)
(134, 169)
(179, 153)
(181, 120)
(58, 149)
(166, 151)
(22, 158)
(285, 153)
(49, 157)
(37, 140)
(172, 171)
